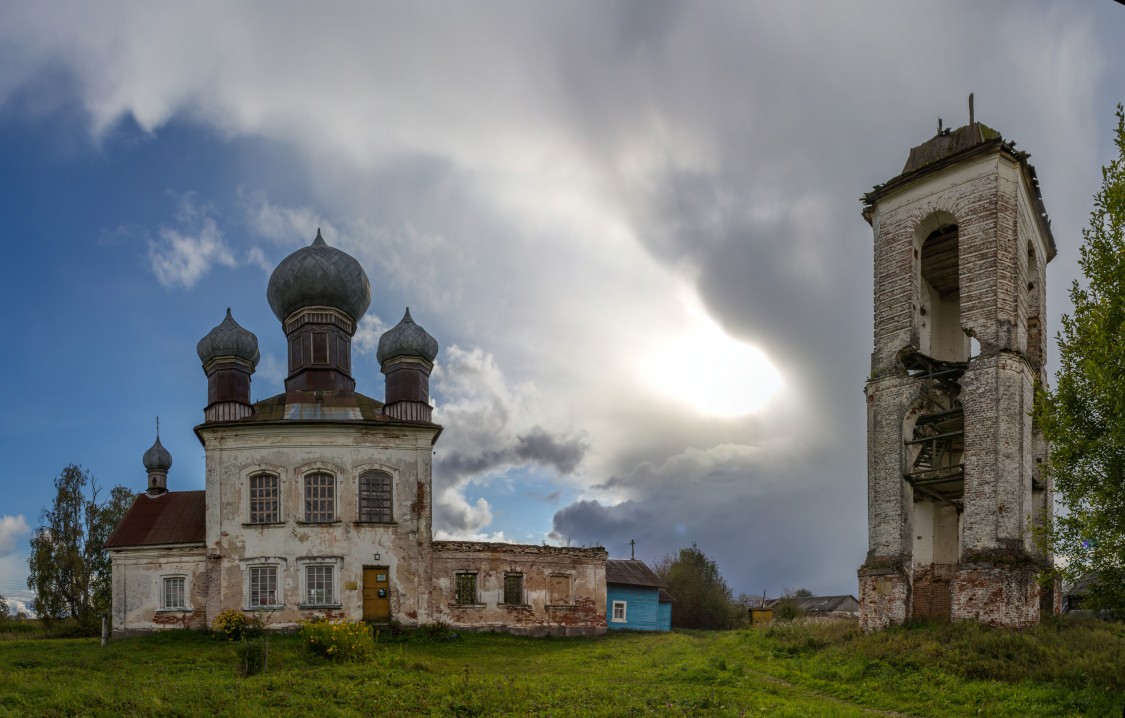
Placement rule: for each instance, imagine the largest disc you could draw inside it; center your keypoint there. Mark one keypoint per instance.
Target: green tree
(703, 599)
(4, 610)
(69, 568)
(1083, 418)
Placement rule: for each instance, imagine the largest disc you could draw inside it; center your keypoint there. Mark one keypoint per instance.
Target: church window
(320, 498)
(320, 585)
(173, 595)
(466, 589)
(513, 589)
(619, 612)
(263, 586)
(558, 589)
(375, 497)
(264, 499)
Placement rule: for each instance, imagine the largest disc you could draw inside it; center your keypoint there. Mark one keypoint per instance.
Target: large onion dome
(319, 276)
(157, 457)
(406, 339)
(229, 339)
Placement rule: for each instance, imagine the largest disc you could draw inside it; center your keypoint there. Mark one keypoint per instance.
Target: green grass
(1065, 668)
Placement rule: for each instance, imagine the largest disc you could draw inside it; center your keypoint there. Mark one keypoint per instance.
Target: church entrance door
(376, 594)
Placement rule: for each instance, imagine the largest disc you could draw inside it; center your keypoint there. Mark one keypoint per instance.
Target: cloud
(366, 340)
(12, 529)
(181, 256)
(561, 187)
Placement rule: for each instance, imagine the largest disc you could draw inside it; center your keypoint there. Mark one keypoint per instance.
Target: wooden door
(376, 593)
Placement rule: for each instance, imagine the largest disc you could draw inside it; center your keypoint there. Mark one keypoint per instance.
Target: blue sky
(632, 228)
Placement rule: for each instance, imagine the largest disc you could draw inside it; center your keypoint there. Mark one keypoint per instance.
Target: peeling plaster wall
(290, 452)
(1002, 253)
(137, 576)
(582, 614)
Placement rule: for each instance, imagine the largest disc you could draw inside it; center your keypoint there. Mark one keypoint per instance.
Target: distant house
(837, 606)
(635, 598)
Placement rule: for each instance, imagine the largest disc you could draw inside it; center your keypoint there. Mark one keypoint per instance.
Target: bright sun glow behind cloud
(711, 371)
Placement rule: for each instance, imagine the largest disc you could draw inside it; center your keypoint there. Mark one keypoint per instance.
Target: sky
(633, 228)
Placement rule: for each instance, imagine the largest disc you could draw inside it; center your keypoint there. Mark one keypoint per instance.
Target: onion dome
(319, 276)
(229, 339)
(406, 339)
(157, 457)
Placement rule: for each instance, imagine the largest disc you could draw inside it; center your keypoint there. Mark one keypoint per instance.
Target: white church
(318, 501)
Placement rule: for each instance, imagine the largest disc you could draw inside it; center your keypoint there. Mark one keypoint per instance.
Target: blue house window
(618, 612)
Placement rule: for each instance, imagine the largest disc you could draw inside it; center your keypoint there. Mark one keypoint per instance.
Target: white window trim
(613, 612)
(276, 562)
(161, 595)
(282, 492)
(337, 564)
(336, 486)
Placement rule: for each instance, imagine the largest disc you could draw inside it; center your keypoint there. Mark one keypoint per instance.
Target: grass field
(1064, 668)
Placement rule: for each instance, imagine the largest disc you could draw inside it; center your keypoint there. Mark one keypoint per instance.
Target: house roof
(666, 597)
(174, 517)
(826, 604)
(631, 573)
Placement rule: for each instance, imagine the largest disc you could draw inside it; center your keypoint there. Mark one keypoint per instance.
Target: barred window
(466, 588)
(513, 588)
(375, 497)
(320, 498)
(319, 585)
(264, 499)
(263, 586)
(173, 593)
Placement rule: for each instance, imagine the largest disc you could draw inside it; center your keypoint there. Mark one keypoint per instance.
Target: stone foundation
(884, 595)
(999, 595)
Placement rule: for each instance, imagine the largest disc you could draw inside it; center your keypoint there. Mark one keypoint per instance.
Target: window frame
(381, 475)
(250, 498)
(457, 588)
(331, 482)
(335, 565)
(624, 606)
(504, 597)
(185, 592)
(249, 566)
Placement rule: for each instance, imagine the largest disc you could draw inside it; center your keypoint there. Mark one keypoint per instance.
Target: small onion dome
(406, 339)
(229, 339)
(157, 458)
(319, 276)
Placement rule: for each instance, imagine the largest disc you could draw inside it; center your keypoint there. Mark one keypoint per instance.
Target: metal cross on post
(632, 549)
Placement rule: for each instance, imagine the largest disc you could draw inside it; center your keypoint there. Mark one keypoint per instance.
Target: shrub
(253, 655)
(339, 640)
(438, 632)
(234, 625)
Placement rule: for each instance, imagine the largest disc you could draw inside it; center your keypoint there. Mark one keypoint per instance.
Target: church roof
(174, 517)
(631, 573)
(319, 276)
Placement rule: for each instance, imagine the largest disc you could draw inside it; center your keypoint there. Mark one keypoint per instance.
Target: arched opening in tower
(940, 334)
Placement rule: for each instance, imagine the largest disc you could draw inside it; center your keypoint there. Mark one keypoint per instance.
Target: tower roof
(406, 339)
(229, 339)
(319, 276)
(157, 457)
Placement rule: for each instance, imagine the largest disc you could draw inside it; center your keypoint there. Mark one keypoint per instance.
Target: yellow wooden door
(376, 594)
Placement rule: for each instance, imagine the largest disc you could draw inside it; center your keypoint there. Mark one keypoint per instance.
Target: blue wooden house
(635, 598)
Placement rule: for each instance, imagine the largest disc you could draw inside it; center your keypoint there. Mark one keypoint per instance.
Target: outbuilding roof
(826, 604)
(174, 517)
(631, 573)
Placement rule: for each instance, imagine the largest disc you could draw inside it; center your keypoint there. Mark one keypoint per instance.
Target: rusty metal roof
(171, 518)
(631, 573)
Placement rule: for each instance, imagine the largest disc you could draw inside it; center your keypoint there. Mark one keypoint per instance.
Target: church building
(318, 501)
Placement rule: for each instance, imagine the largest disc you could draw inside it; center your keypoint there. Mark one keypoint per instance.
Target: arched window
(940, 335)
(320, 497)
(375, 497)
(265, 499)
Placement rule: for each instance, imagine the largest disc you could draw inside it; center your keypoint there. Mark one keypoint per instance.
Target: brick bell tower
(954, 486)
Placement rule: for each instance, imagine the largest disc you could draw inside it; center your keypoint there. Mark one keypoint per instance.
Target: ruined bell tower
(954, 485)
